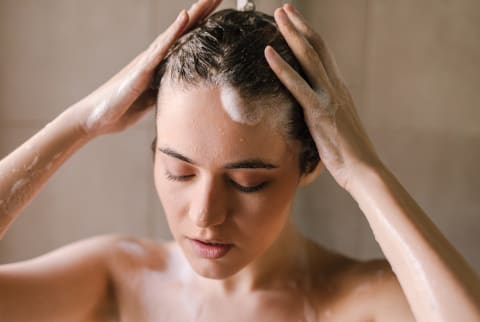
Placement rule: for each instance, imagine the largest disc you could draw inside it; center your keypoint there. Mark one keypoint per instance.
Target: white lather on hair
(245, 5)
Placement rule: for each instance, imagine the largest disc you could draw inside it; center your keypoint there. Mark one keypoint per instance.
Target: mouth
(210, 249)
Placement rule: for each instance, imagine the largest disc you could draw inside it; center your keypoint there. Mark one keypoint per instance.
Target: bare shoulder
(383, 294)
(127, 254)
(77, 275)
(364, 288)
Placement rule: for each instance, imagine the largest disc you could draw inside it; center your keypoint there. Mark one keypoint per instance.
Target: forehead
(198, 121)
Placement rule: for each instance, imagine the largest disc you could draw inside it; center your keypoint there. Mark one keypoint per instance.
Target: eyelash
(252, 189)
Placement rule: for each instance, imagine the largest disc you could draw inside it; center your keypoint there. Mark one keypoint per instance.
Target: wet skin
(157, 284)
(272, 273)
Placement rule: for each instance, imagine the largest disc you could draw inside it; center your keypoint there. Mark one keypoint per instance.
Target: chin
(213, 269)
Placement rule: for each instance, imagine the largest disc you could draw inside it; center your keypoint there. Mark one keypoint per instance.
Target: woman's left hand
(329, 110)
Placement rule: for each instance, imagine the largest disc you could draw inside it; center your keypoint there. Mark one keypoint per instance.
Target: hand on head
(127, 96)
(329, 109)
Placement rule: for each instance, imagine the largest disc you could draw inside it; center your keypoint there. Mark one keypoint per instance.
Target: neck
(282, 263)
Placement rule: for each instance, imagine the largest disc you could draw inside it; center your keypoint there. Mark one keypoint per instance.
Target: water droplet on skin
(292, 284)
(362, 289)
(327, 314)
(308, 311)
(132, 248)
(380, 274)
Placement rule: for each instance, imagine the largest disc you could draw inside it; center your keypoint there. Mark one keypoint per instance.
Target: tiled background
(413, 67)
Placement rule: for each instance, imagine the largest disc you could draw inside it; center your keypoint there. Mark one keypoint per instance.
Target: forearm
(438, 282)
(24, 171)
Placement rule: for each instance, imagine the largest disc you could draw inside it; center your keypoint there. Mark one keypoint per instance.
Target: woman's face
(221, 180)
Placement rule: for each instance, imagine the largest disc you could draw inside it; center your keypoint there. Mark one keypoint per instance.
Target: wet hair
(227, 49)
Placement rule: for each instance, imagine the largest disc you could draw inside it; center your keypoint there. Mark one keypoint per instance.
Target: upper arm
(390, 303)
(71, 283)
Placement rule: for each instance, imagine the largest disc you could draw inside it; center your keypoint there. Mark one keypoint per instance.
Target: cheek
(263, 217)
(170, 200)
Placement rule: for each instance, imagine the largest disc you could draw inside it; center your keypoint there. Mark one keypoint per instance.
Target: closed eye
(171, 177)
(245, 189)
(248, 189)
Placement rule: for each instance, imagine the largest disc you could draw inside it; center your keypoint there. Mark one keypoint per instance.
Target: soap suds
(323, 118)
(18, 185)
(105, 107)
(253, 112)
(98, 113)
(56, 156)
(32, 164)
(325, 101)
(234, 106)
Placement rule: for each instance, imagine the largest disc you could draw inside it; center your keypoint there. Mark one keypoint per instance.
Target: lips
(210, 249)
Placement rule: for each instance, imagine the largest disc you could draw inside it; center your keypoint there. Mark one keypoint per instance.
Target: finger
(198, 11)
(144, 101)
(212, 8)
(295, 83)
(159, 48)
(137, 73)
(316, 40)
(303, 50)
(317, 114)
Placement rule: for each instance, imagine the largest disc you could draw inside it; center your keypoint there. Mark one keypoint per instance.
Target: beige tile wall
(412, 67)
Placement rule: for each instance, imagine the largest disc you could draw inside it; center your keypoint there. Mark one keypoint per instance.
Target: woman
(232, 147)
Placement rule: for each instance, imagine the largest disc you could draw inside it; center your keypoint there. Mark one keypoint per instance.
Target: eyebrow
(244, 164)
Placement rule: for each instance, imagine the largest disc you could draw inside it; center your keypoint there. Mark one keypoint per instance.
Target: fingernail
(270, 52)
(282, 16)
(181, 16)
(193, 6)
(290, 7)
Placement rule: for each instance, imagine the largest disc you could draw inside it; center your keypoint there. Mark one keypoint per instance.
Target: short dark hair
(227, 48)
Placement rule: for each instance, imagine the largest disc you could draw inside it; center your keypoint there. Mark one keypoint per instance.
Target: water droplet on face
(327, 314)
(292, 284)
(380, 273)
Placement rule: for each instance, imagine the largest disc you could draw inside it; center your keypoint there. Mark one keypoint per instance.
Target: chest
(156, 299)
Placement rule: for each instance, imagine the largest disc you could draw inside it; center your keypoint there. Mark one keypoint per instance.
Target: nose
(209, 206)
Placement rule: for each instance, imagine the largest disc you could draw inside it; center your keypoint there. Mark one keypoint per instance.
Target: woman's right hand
(127, 96)
(84, 267)
(114, 106)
